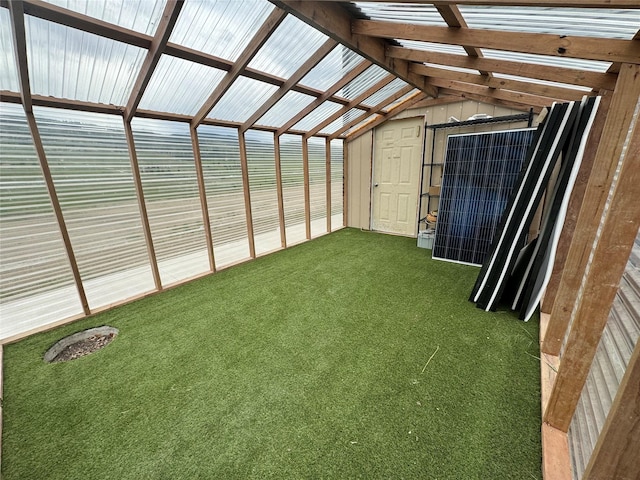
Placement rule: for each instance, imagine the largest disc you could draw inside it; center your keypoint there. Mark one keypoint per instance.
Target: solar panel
(481, 170)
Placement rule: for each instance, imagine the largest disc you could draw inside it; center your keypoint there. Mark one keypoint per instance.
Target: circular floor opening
(80, 344)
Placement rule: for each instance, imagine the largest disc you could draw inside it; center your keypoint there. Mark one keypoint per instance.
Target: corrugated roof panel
(294, 37)
(385, 92)
(242, 99)
(357, 126)
(220, 27)
(363, 82)
(588, 22)
(332, 68)
(399, 101)
(179, 86)
(402, 13)
(342, 120)
(139, 16)
(285, 108)
(8, 71)
(69, 63)
(542, 82)
(433, 47)
(591, 65)
(320, 114)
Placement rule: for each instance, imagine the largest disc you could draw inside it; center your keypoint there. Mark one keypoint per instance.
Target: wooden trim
(615, 455)
(616, 126)
(571, 76)
(293, 80)
(281, 219)
(163, 32)
(247, 194)
(359, 99)
(345, 184)
(259, 39)
(588, 48)
(568, 228)
(202, 191)
(608, 260)
(142, 207)
(361, 67)
(327, 174)
(566, 94)
(16, 12)
(524, 3)
(333, 20)
(307, 203)
(556, 461)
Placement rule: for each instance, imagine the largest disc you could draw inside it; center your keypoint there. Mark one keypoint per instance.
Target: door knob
(375, 184)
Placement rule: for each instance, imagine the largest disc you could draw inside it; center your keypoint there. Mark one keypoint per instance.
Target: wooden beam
(523, 3)
(259, 39)
(361, 67)
(608, 257)
(307, 202)
(589, 48)
(491, 100)
(356, 101)
(617, 125)
(298, 75)
(327, 176)
(570, 76)
(569, 226)
(615, 455)
(371, 111)
(281, 219)
(549, 91)
(247, 194)
(142, 206)
(163, 32)
(333, 20)
(202, 190)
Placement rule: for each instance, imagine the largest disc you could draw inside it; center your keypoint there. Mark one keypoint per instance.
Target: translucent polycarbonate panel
(403, 13)
(363, 82)
(400, 100)
(294, 37)
(170, 185)
(285, 108)
(576, 63)
(242, 99)
(69, 63)
(141, 16)
(179, 86)
(543, 82)
(337, 183)
(8, 70)
(91, 169)
(336, 124)
(262, 185)
(36, 282)
(332, 68)
(587, 22)
(220, 27)
(432, 47)
(293, 187)
(317, 185)
(385, 92)
(359, 125)
(220, 153)
(316, 117)
(453, 69)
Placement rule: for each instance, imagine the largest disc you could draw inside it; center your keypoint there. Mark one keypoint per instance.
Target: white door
(396, 176)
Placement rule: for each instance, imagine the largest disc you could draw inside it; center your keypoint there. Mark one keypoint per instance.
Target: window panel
(317, 185)
(8, 72)
(293, 187)
(337, 184)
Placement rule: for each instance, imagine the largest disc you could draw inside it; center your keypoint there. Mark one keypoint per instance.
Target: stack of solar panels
(516, 273)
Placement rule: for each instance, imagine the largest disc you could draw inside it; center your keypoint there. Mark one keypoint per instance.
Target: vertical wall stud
(307, 203)
(247, 194)
(328, 181)
(276, 150)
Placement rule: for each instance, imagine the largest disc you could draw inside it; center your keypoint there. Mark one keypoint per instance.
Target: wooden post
(276, 151)
(142, 207)
(307, 204)
(327, 150)
(247, 194)
(602, 278)
(345, 184)
(203, 196)
(615, 455)
(615, 130)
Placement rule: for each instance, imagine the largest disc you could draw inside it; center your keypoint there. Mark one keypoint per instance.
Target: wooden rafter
(333, 20)
(485, 97)
(588, 48)
(262, 35)
(159, 42)
(359, 99)
(311, 62)
(570, 76)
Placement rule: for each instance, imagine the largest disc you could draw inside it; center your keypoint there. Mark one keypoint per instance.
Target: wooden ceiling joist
(571, 76)
(333, 20)
(588, 48)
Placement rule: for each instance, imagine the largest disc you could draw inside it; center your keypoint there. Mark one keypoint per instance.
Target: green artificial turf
(314, 362)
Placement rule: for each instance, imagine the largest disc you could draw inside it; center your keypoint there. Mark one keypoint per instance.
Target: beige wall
(360, 152)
